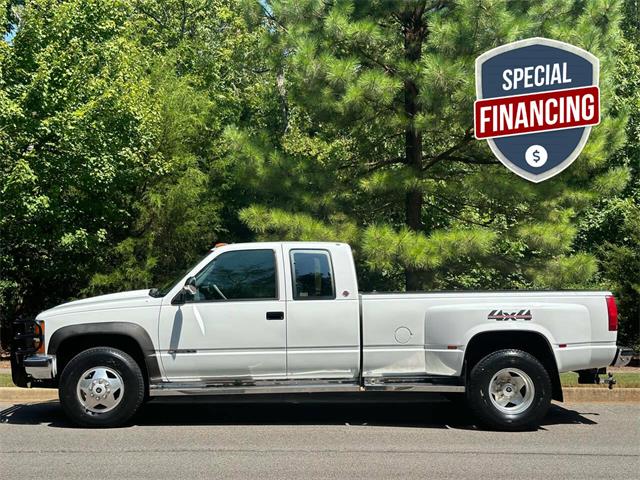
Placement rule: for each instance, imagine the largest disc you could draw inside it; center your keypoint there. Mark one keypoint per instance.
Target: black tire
(119, 362)
(480, 397)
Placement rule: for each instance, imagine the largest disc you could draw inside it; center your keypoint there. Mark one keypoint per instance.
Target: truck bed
(426, 333)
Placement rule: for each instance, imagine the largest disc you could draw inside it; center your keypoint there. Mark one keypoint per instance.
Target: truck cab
(264, 311)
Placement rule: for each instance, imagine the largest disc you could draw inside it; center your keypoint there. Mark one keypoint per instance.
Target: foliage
(610, 228)
(621, 266)
(392, 85)
(78, 140)
(170, 214)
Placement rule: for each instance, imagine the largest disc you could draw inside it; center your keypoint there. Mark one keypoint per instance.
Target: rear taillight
(612, 311)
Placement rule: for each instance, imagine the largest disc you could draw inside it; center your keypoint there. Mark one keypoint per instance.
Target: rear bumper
(585, 356)
(40, 367)
(592, 375)
(622, 358)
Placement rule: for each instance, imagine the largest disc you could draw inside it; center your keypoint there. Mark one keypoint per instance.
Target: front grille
(24, 335)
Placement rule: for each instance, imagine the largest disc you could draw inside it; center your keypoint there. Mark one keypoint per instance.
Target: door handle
(275, 315)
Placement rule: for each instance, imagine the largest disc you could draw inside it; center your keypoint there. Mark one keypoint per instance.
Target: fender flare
(126, 329)
(553, 361)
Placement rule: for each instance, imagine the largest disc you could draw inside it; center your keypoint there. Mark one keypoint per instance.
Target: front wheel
(101, 387)
(509, 390)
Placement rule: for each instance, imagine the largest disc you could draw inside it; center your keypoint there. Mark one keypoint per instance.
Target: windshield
(165, 288)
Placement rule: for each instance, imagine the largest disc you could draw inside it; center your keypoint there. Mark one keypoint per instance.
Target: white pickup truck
(287, 317)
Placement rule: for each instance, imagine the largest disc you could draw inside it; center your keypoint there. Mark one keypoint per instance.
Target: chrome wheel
(100, 389)
(511, 391)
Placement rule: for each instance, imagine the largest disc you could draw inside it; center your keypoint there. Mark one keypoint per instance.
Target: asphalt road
(423, 440)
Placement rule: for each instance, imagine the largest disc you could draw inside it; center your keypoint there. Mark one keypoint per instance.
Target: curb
(571, 394)
(599, 394)
(16, 394)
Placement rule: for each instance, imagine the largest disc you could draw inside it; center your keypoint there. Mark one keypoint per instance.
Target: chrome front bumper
(41, 367)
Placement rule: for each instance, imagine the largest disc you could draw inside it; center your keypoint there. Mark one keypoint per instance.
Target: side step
(414, 384)
(285, 387)
(414, 387)
(199, 388)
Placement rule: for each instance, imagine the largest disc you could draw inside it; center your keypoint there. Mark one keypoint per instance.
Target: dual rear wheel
(509, 390)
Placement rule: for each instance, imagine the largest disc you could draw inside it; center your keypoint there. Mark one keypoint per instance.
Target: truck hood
(131, 299)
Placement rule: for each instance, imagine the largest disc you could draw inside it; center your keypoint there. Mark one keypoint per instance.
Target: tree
(379, 136)
(136, 133)
(611, 228)
(205, 74)
(78, 135)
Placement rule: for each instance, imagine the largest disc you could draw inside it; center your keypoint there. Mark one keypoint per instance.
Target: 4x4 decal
(501, 315)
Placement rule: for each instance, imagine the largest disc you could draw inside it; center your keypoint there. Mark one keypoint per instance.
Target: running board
(200, 388)
(197, 388)
(436, 384)
(413, 387)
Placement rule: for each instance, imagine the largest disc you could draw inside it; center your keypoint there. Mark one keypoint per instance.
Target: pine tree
(610, 229)
(378, 136)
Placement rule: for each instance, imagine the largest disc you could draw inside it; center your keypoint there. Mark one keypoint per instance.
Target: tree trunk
(414, 31)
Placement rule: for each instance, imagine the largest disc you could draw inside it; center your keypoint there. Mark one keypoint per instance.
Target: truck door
(234, 327)
(323, 319)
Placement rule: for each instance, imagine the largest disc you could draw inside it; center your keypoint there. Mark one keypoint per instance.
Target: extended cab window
(312, 275)
(239, 275)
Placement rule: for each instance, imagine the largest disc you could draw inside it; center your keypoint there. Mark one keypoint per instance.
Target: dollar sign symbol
(536, 156)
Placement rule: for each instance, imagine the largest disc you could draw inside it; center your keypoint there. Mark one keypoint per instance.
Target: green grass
(5, 380)
(623, 380)
(570, 379)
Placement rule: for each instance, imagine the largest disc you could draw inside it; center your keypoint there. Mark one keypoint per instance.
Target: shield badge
(537, 100)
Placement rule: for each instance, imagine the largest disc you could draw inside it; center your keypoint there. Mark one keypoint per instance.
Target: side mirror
(190, 286)
(188, 291)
